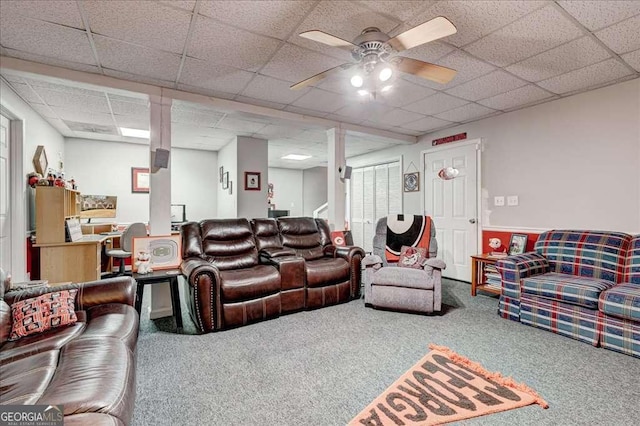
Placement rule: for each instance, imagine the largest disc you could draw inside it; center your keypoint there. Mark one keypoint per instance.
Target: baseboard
(161, 313)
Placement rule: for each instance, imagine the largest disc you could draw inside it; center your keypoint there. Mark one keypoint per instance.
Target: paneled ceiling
(508, 54)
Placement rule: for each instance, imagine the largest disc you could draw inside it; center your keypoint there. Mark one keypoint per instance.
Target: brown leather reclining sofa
(89, 367)
(241, 272)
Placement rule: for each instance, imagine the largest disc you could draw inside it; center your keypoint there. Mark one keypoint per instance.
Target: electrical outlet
(498, 201)
(512, 200)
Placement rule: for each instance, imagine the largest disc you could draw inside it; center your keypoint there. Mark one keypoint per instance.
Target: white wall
(104, 168)
(287, 189)
(228, 159)
(573, 162)
(314, 189)
(252, 157)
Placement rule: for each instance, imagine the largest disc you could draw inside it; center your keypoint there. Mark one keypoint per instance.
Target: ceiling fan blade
(423, 69)
(328, 39)
(431, 30)
(320, 76)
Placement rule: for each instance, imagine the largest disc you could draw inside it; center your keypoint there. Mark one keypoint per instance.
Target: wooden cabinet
(71, 262)
(483, 274)
(54, 205)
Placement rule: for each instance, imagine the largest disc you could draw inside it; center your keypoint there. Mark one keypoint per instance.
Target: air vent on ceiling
(91, 128)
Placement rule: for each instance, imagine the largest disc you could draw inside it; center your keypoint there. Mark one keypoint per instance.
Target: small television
(98, 206)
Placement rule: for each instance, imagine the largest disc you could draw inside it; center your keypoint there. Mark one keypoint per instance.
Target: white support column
(160, 193)
(335, 186)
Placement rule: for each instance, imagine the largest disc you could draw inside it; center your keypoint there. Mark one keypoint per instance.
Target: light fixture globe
(385, 74)
(357, 80)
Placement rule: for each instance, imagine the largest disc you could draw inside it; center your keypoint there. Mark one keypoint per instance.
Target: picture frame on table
(165, 251)
(140, 180)
(517, 244)
(252, 181)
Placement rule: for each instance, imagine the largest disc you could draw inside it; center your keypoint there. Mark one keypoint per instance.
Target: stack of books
(492, 277)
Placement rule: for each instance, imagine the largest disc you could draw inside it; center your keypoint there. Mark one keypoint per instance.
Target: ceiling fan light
(386, 88)
(357, 80)
(363, 92)
(385, 74)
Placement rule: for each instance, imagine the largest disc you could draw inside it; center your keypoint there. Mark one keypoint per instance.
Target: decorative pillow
(412, 257)
(38, 314)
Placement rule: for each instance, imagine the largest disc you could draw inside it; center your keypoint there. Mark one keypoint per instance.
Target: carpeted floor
(322, 367)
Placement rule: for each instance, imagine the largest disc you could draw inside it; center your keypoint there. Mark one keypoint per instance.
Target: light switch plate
(498, 201)
(512, 200)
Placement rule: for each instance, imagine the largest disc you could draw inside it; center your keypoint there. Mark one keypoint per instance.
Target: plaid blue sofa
(580, 284)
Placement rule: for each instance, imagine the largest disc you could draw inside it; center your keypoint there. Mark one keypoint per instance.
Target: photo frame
(221, 171)
(139, 180)
(165, 251)
(252, 181)
(517, 244)
(40, 161)
(411, 182)
(230, 187)
(225, 180)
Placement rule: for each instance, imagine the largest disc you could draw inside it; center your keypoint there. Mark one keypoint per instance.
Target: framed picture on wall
(221, 171)
(252, 181)
(518, 244)
(225, 180)
(139, 180)
(412, 182)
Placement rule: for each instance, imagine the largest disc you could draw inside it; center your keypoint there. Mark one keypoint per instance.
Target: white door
(453, 205)
(5, 216)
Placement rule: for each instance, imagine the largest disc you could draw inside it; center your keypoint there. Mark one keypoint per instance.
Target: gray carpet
(322, 367)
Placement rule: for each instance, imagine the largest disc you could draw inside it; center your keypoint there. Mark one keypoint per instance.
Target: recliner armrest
(372, 261)
(347, 252)
(191, 267)
(435, 263)
(204, 280)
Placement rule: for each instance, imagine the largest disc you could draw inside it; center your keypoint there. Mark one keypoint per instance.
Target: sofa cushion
(622, 301)
(38, 314)
(249, 283)
(113, 320)
(326, 271)
(402, 277)
(23, 381)
(571, 289)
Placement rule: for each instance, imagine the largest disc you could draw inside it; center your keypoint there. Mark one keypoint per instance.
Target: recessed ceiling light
(385, 74)
(363, 92)
(135, 133)
(386, 88)
(297, 157)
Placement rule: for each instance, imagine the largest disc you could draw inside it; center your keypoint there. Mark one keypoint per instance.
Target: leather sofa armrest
(347, 252)
(292, 271)
(353, 255)
(274, 252)
(204, 280)
(192, 266)
(111, 290)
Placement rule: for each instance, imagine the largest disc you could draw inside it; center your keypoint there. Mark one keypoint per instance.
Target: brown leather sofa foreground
(241, 272)
(89, 367)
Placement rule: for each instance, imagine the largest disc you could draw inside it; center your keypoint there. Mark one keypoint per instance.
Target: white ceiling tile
(403, 130)
(293, 63)
(370, 111)
(426, 124)
(204, 91)
(304, 111)
(633, 59)
(214, 76)
(44, 110)
(514, 98)
(343, 118)
(434, 104)
(404, 92)
(133, 59)
(132, 122)
(398, 117)
(139, 78)
(141, 22)
(533, 34)
(568, 57)
(466, 112)
(65, 86)
(622, 37)
(134, 98)
(128, 108)
(583, 78)
(342, 19)
(187, 5)
(467, 68)
(272, 18)
(272, 90)
(51, 61)
(274, 131)
(199, 118)
(486, 86)
(27, 93)
(259, 102)
(400, 10)
(234, 124)
(321, 101)
(60, 126)
(599, 14)
(46, 39)
(220, 43)
(475, 19)
(55, 98)
(428, 52)
(81, 116)
(63, 12)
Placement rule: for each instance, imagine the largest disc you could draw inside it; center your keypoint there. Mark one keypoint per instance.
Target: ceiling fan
(376, 52)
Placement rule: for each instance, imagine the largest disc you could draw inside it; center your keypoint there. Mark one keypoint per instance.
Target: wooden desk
(478, 281)
(72, 262)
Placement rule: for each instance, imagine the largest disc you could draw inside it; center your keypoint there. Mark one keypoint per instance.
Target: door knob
(472, 221)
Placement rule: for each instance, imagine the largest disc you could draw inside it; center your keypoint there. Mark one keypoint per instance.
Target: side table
(478, 274)
(159, 277)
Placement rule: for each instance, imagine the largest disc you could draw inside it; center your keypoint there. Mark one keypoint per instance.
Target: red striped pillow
(42, 313)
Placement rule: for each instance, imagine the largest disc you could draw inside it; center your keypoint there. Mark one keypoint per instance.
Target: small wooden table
(159, 277)
(478, 279)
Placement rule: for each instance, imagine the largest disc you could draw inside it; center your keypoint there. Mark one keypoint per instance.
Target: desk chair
(137, 229)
